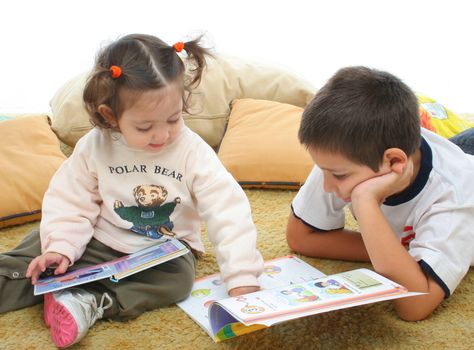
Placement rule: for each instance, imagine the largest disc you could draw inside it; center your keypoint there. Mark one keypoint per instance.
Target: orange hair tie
(179, 46)
(116, 71)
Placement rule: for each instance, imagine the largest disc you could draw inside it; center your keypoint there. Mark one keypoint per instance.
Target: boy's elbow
(413, 316)
(298, 236)
(292, 241)
(293, 235)
(418, 308)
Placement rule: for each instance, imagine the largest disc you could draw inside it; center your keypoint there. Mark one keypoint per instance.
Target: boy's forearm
(384, 249)
(336, 244)
(390, 258)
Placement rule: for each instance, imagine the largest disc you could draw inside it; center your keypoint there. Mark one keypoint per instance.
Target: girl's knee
(185, 278)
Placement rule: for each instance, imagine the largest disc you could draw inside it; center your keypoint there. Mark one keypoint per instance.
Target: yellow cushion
(260, 147)
(436, 117)
(29, 158)
(225, 79)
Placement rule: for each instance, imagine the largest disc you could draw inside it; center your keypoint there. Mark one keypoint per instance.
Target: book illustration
(279, 304)
(115, 269)
(332, 288)
(302, 293)
(295, 295)
(360, 279)
(149, 257)
(278, 272)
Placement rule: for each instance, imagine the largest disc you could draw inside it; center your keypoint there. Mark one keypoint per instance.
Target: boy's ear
(107, 113)
(396, 159)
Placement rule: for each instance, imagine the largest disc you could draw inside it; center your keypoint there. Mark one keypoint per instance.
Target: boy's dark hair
(360, 113)
(146, 62)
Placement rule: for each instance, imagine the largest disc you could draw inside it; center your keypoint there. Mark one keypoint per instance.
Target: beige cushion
(260, 147)
(226, 79)
(29, 158)
(229, 78)
(70, 118)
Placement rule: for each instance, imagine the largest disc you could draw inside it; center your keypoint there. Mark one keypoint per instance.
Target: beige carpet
(372, 326)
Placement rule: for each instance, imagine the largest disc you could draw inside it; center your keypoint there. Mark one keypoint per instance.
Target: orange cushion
(30, 156)
(260, 147)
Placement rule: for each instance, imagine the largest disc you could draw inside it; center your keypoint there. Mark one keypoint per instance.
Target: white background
(428, 44)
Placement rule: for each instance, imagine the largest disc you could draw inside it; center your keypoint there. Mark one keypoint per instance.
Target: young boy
(411, 191)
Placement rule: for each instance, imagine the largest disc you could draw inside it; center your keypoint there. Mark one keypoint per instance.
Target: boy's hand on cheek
(234, 292)
(380, 187)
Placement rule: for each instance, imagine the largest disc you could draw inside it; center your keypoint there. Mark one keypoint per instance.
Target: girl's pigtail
(197, 55)
(101, 88)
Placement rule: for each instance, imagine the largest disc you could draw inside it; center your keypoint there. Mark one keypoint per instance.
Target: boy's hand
(234, 292)
(383, 186)
(40, 263)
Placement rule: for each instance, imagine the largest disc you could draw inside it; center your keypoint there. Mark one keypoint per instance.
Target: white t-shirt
(433, 218)
(102, 189)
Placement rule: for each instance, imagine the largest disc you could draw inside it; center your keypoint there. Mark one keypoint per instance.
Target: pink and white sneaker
(48, 308)
(70, 313)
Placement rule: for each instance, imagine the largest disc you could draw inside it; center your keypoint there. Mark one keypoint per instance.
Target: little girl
(139, 177)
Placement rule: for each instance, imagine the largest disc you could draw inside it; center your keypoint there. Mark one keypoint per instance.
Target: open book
(291, 289)
(115, 269)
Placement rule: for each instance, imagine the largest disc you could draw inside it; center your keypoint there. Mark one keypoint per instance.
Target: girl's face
(154, 120)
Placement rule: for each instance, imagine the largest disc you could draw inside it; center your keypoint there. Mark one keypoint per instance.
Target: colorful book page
(277, 273)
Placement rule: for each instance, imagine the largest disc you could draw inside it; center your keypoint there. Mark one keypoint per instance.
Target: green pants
(155, 287)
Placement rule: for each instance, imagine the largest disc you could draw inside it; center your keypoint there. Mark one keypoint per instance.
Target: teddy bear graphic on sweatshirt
(150, 217)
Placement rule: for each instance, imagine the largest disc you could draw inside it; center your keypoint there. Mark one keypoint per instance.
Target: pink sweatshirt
(127, 198)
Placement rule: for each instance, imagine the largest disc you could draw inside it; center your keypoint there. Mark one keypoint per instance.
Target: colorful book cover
(115, 269)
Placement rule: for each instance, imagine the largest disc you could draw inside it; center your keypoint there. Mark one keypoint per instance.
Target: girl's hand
(234, 292)
(40, 263)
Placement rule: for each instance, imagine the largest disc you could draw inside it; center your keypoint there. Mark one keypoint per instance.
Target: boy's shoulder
(449, 167)
(445, 154)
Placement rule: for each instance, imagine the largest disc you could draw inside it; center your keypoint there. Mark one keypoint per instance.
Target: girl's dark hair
(146, 62)
(360, 113)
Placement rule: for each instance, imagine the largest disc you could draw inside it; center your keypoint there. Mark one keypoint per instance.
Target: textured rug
(373, 326)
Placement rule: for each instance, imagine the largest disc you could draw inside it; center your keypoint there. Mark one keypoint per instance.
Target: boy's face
(341, 175)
